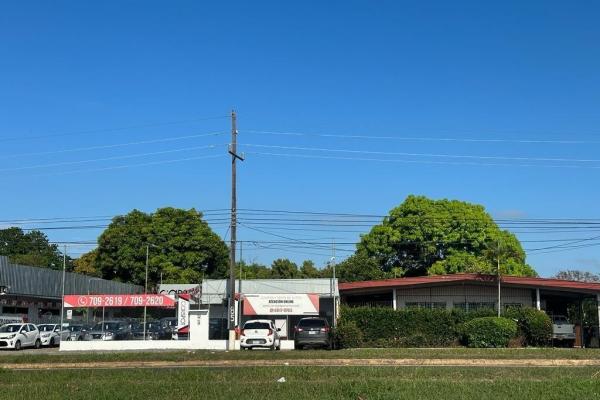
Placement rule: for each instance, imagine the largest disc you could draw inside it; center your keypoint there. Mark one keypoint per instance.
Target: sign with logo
(119, 300)
(69, 314)
(281, 304)
(183, 313)
(193, 289)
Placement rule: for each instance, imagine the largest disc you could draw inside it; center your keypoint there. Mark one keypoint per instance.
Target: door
(33, 333)
(26, 336)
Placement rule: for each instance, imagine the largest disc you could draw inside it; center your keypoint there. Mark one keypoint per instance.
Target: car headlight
(45, 335)
(109, 334)
(11, 336)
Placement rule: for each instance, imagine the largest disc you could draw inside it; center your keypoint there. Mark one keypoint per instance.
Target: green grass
(305, 383)
(29, 356)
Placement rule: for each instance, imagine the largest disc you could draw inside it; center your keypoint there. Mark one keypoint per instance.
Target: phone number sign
(119, 300)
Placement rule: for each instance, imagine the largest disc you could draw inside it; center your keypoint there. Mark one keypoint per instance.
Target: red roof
(558, 284)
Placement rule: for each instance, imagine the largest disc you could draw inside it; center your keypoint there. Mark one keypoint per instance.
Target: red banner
(119, 300)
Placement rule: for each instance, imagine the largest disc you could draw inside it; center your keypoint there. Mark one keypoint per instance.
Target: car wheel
(38, 344)
(17, 345)
(80, 338)
(51, 342)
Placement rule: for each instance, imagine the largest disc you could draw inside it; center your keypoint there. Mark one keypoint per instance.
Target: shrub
(489, 332)
(534, 325)
(347, 335)
(386, 327)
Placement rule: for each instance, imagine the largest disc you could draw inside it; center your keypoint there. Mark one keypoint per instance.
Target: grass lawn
(30, 356)
(305, 383)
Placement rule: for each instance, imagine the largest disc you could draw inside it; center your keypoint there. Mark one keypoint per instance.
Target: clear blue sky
(87, 74)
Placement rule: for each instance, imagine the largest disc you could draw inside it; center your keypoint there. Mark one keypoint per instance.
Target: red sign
(119, 300)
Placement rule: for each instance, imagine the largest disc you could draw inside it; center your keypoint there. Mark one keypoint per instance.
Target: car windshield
(257, 325)
(10, 328)
(560, 320)
(75, 328)
(45, 328)
(108, 326)
(312, 323)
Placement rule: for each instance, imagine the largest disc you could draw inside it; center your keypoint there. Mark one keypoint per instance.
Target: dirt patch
(412, 362)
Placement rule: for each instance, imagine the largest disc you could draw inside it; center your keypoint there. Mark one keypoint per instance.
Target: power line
(211, 146)
(92, 131)
(420, 154)
(111, 146)
(425, 139)
(131, 165)
(421, 161)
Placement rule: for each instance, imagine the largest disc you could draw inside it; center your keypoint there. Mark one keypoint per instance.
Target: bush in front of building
(534, 326)
(489, 332)
(347, 335)
(386, 327)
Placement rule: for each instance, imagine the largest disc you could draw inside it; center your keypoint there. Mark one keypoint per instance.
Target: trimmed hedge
(534, 326)
(386, 327)
(489, 332)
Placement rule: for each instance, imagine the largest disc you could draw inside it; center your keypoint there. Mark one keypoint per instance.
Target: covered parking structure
(475, 291)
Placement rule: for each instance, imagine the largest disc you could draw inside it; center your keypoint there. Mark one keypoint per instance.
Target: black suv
(312, 332)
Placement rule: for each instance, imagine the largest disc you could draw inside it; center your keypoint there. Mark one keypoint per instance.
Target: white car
(49, 334)
(17, 336)
(260, 333)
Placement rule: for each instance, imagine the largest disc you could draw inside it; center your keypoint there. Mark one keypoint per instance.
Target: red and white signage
(119, 300)
(183, 313)
(281, 304)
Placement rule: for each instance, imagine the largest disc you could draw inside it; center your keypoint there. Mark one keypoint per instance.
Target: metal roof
(556, 284)
(24, 280)
(214, 290)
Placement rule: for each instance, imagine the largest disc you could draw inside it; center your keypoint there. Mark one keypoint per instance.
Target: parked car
(49, 334)
(260, 333)
(110, 330)
(170, 325)
(154, 331)
(75, 332)
(314, 332)
(563, 330)
(17, 336)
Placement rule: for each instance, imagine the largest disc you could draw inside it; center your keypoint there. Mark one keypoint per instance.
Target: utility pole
(334, 320)
(62, 303)
(498, 277)
(239, 308)
(232, 245)
(146, 285)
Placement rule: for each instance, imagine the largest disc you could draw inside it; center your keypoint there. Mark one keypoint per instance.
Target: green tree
(253, 271)
(358, 267)
(424, 236)
(283, 268)
(182, 247)
(308, 270)
(32, 248)
(86, 264)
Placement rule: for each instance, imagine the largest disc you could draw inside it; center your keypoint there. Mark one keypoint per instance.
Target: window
(257, 325)
(15, 310)
(437, 305)
(472, 306)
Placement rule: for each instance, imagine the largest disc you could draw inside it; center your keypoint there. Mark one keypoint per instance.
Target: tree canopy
(424, 236)
(32, 248)
(577, 275)
(182, 247)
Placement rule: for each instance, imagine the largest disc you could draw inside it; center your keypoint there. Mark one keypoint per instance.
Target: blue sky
(77, 75)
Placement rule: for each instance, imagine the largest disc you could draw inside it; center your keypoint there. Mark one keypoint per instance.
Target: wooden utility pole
(232, 245)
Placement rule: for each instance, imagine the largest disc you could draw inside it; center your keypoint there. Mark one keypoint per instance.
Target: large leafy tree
(424, 236)
(32, 248)
(182, 248)
(284, 268)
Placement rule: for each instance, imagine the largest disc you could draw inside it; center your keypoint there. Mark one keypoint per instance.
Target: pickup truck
(562, 329)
